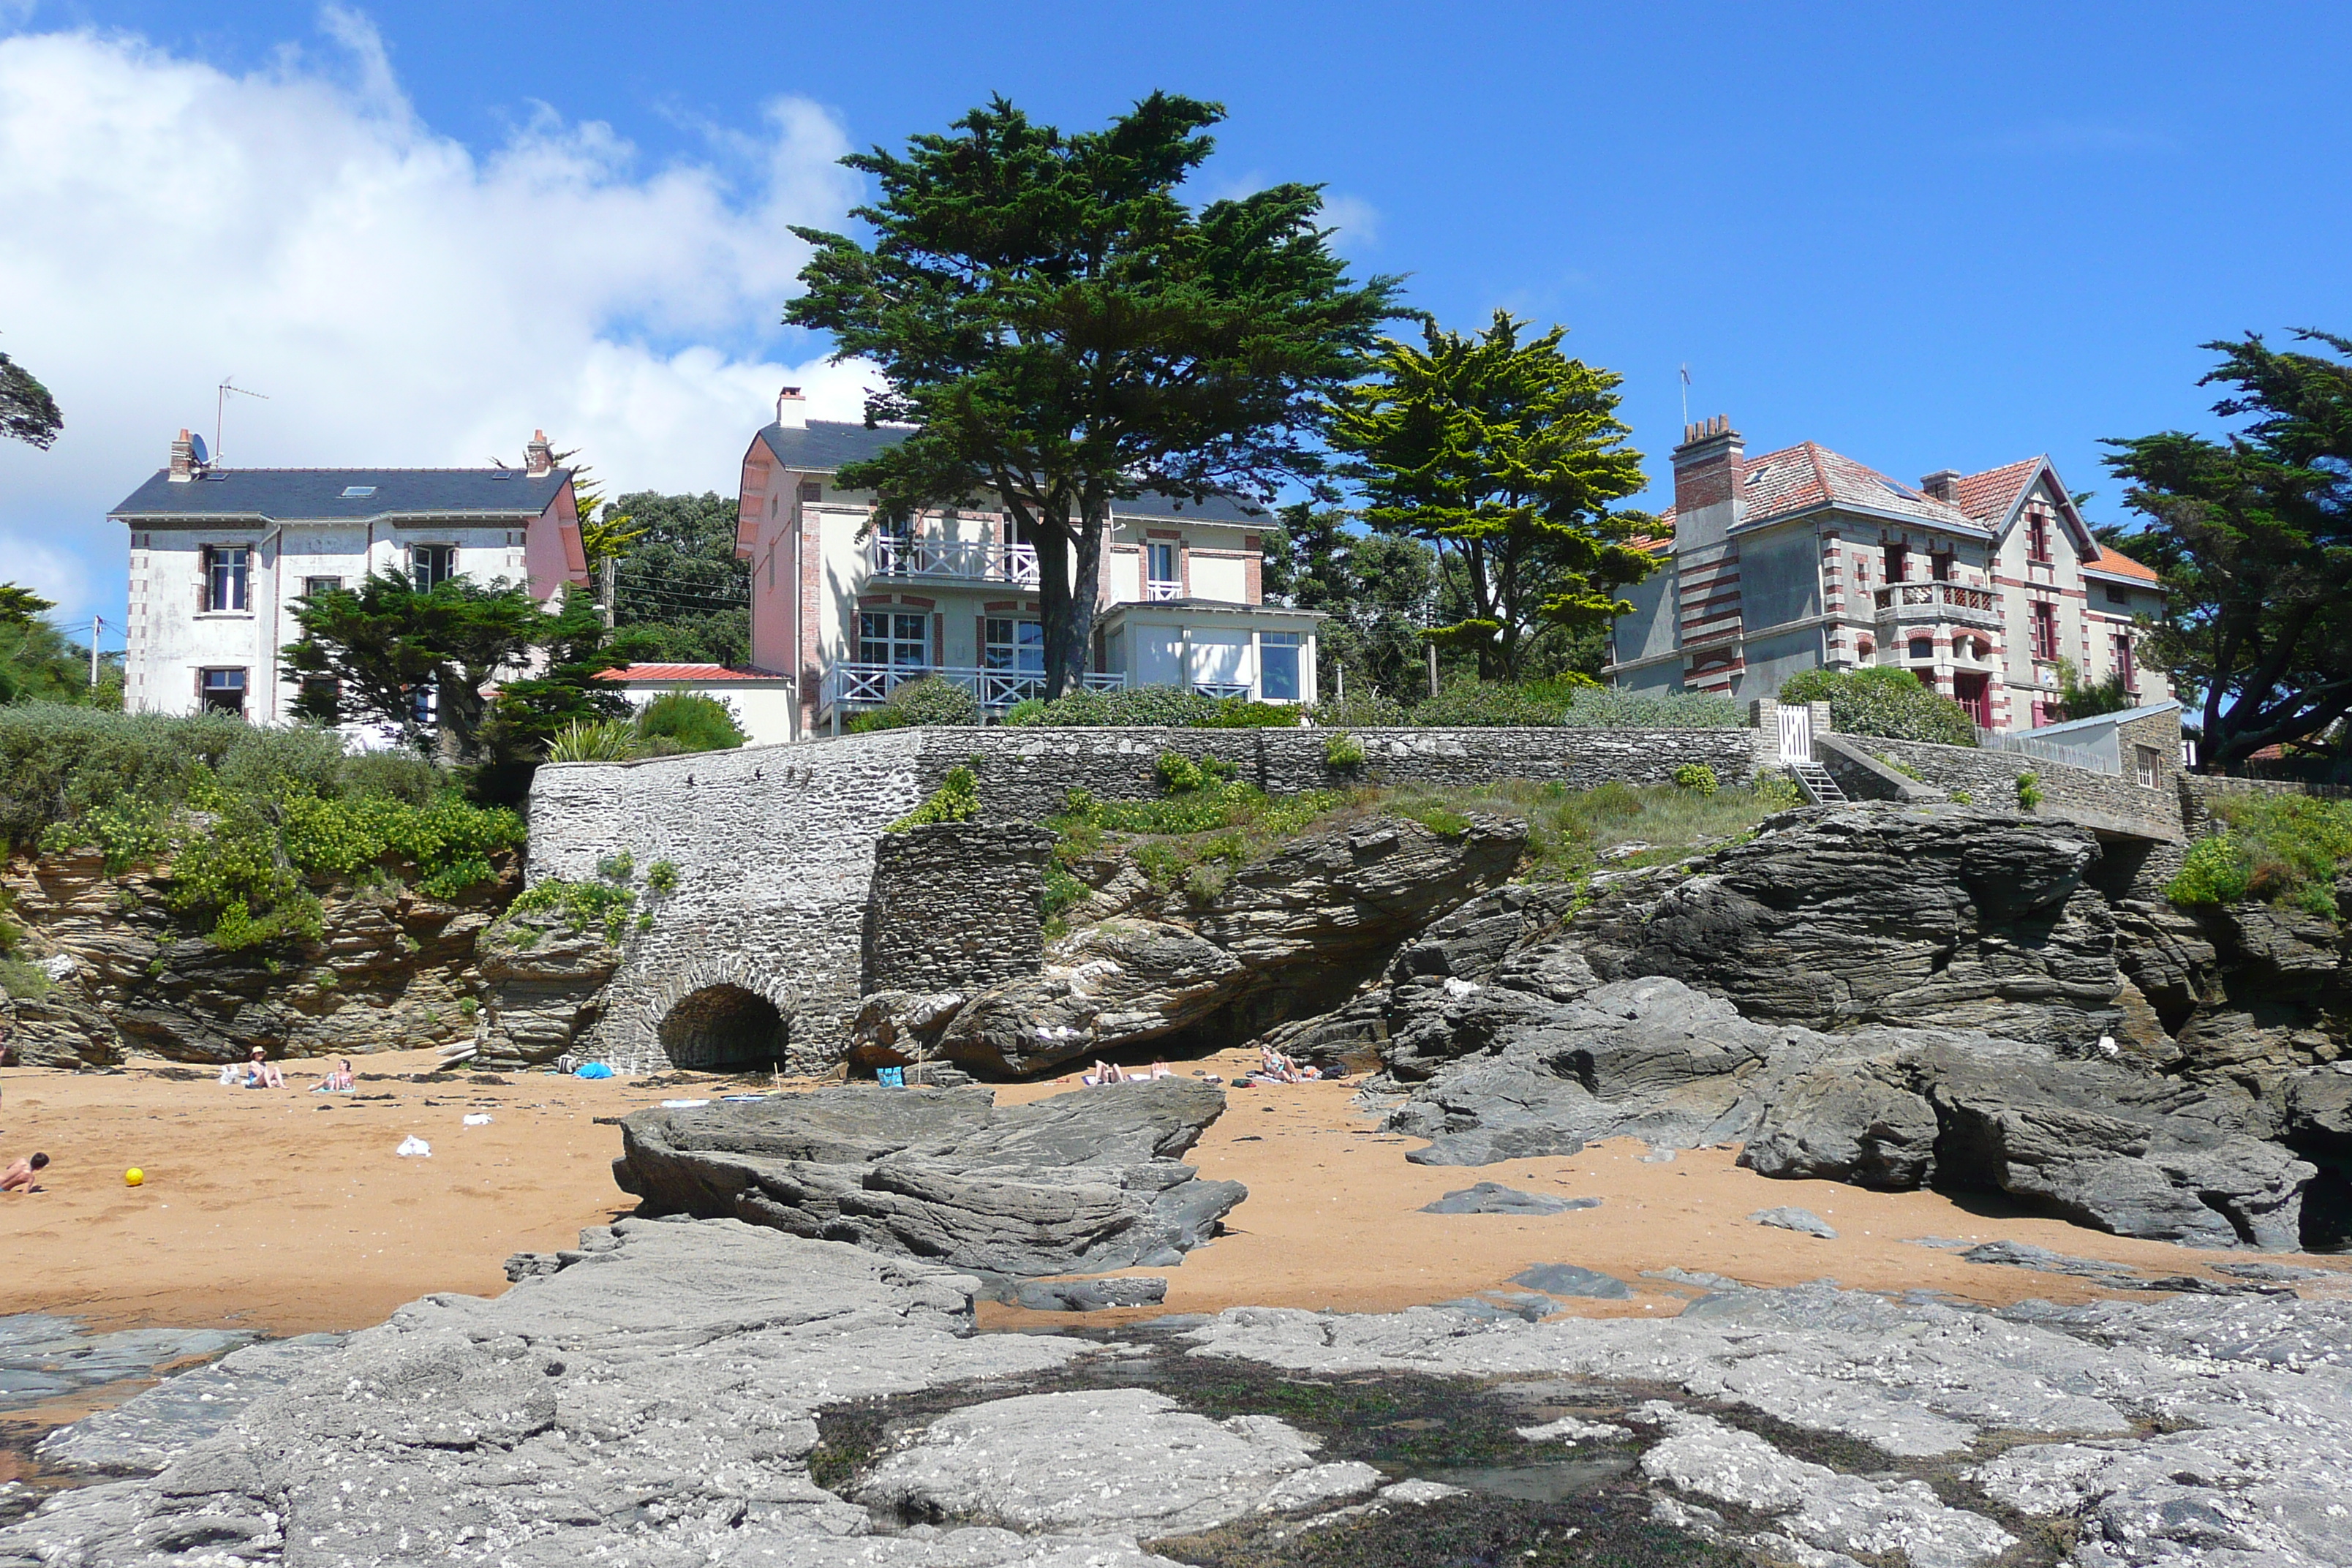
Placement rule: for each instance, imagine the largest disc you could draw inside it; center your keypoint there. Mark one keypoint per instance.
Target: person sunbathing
(260, 1072)
(1105, 1072)
(18, 1176)
(339, 1082)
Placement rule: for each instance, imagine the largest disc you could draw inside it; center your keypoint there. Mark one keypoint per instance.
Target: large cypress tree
(1505, 457)
(2252, 534)
(1067, 332)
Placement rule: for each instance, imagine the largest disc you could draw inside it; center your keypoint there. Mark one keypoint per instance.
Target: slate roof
(828, 444)
(316, 495)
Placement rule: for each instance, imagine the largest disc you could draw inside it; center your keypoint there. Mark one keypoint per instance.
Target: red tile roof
(1991, 496)
(2114, 564)
(1808, 474)
(686, 672)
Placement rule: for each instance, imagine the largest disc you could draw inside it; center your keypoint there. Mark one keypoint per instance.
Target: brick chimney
(538, 457)
(792, 409)
(183, 459)
(1943, 485)
(1706, 483)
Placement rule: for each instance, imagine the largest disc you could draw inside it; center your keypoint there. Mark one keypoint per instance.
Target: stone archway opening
(721, 1027)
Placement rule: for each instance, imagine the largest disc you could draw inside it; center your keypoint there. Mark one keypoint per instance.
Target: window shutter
(204, 590)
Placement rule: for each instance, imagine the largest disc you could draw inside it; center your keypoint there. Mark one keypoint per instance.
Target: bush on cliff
(1881, 699)
(681, 720)
(2284, 849)
(247, 817)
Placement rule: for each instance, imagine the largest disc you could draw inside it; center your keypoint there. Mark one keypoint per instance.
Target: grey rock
(1088, 1295)
(1080, 1183)
(1569, 1279)
(1290, 936)
(1956, 916)
(1489, 1197)
(1787, 1218)
(1841, 1125)
(900, 1026)
(1127, 1457)
(140, 1436)
(542, 988)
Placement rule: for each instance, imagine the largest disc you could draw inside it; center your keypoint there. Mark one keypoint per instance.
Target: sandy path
(263, 1210)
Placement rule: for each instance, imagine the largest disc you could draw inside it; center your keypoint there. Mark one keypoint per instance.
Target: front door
(1973, 691)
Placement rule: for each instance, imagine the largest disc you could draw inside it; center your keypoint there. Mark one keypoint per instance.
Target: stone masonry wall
(775, 845)
(775, 851)
(2098, 801)
(1024, 774)
(2198, 791)
(955, 906)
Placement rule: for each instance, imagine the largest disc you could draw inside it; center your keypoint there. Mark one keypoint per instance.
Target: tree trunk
(1069, 649)
(1053, 552)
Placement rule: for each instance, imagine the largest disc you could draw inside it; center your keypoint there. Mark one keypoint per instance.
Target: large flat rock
(1081, 1182)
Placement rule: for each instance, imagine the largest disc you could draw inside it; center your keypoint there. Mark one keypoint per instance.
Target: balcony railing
(1222, 689)
(1161, 588)
(972, 560)
(1939, 602)
(2049, 751)
(869, 685)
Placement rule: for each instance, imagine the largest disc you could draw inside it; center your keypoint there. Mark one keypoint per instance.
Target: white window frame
(228, 566)
(895, 638)
(1155, 585)
(418, 554)
(1012, 652)
(206, 686)
(1294, 644)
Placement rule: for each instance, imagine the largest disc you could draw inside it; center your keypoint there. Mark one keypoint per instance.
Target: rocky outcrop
(1289, 935)
(542, 987)
(391, 969)
(1918, 915)
(1078, 1184)
(672, 1396)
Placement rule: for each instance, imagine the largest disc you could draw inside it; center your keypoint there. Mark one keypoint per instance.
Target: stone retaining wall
(1024, 774)
(2198, 791)
(775, 845)
(2098, 801)
(955, 906)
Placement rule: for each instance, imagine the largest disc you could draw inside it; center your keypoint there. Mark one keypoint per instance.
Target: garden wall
(775, 845)
(2101, 801)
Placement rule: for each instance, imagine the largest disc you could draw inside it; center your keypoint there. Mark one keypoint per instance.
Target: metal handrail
(2051, 752)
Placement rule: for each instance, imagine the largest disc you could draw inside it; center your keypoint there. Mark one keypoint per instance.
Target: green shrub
(617, 868)
(1881, 699)
(1240, 713)
(600, 741)
(1488, 703)
(1137, 706)
(956, 800)
(681, 720)
(1778, 790)
(468, 1005)
(1180, 774)
(1962, 797)
(1371, 712)
(1341, 750)
(22, 980)
(2028, 790)
(1440, 819)
(579, 907)
(1696, 776)
(2279, 848)
(662, 876)
(1026, 712)
(933, 700)
(1607, 708)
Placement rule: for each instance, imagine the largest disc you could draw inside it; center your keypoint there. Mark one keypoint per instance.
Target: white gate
(1796, 734)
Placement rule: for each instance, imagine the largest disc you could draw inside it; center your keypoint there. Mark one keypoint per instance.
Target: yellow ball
(133, 1176)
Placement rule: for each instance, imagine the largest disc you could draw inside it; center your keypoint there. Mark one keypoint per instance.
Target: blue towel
(892, 1078)
(593, 1070)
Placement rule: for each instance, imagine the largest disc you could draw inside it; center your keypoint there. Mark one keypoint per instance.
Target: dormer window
(2037, 536)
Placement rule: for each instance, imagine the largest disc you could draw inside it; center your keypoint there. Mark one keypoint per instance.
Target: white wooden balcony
(1158, 589)
(961, 560)
(848, 686)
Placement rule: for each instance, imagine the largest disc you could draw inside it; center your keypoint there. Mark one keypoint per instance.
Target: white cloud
(1356, 219)
(401, 299)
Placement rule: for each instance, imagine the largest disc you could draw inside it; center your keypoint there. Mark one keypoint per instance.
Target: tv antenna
(1686, 394)
(220, 402)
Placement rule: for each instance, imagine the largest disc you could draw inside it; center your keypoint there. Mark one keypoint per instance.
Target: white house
(217, 555)
(848, 607)
(1980, 584)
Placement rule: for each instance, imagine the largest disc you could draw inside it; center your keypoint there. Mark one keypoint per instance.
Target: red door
(1974, 692)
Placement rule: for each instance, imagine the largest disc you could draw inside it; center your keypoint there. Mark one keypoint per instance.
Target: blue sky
(1927, 237)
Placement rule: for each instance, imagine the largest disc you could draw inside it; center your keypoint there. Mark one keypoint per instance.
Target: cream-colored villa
(847, 606)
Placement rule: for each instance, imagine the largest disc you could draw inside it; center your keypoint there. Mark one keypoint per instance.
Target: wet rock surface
(690, 1394)
(1082, 1182)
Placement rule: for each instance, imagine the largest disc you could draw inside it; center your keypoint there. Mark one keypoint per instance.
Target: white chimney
(792, 409)
(538, 457)
(183, 459)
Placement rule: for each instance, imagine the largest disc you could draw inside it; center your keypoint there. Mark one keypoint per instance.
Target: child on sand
(336, 1082)
(18, 1177)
